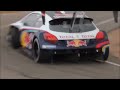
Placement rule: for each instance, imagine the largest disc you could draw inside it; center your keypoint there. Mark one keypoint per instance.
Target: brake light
(100, 36)
(50, 38)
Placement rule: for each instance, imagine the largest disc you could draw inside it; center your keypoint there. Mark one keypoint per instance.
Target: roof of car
(60, 14)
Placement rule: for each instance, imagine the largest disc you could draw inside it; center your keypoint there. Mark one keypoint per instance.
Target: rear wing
(45, 12)
(62, 14)
(115, 15)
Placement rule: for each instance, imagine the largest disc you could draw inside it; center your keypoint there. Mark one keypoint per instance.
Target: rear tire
(15, 37)
(39, 55)
(104, 55)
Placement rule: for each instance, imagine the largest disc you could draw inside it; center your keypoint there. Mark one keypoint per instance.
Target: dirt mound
(114, 37)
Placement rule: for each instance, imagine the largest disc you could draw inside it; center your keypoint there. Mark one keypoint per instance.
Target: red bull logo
(76, 43)
(25, 39)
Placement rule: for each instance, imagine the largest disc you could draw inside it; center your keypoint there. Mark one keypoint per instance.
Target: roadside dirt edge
(114, 36)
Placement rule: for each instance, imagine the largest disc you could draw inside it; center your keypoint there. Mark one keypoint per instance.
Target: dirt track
(18, 66)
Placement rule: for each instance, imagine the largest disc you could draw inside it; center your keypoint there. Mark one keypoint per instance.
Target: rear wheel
(104, 55)
(39, 55)
(15, 37)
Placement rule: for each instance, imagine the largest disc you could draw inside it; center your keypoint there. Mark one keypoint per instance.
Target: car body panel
(66, 41)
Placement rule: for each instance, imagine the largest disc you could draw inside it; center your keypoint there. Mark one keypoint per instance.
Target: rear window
(64, 25)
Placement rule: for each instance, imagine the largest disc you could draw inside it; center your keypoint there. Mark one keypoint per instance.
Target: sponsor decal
(64, 15)
(60, 12)
(26, 39)
(76, 43)
(66, 37)
(58, 15)
(77, 36)
(87, 36)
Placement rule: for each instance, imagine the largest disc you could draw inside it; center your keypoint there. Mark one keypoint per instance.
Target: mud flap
(104, 54)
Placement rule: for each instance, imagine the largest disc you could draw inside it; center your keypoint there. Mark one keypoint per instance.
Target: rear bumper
(82, 50)
(73, 51)
(63, 46)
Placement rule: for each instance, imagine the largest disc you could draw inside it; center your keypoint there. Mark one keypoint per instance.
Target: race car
(48, 33)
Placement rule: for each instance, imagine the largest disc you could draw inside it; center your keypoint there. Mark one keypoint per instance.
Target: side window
(32, 19)
(39, 22)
